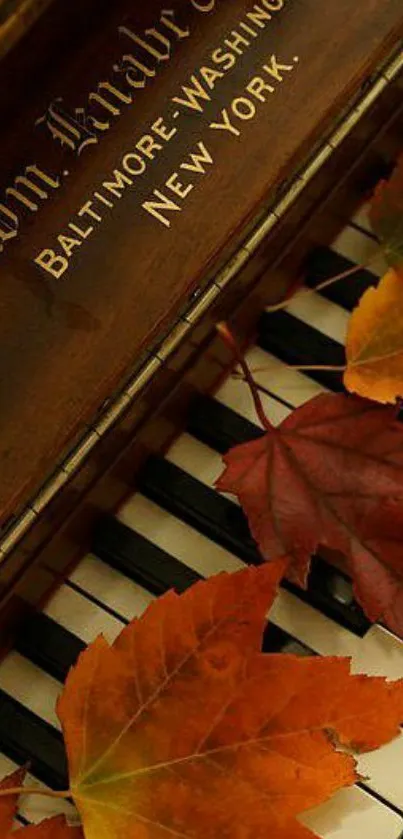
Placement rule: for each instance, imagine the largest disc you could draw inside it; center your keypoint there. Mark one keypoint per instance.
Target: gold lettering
(153, 33)
(148, 146)
(86, 210)
(118, 186)
(204, 5)
(197, 160)
(248, 29)
(6, 233)
(256, 87)
(237, 43)
(169, 23)
(129, 164)
(109, 106)
(275, 69)
(66, 129)
(227, 59)
(31, 187)
(243, 108)
(258, 16)
(103, 200)
(177, 187)
(146, 46)
(193, 94)
(274, 5)
(164, 203)
(210, 76)
(133, 67)
(162, 131)
(52, 263)
(225, 125)
(79, 232)
(7, 230)
(68, 244)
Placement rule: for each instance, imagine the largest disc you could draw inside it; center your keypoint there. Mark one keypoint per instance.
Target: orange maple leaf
(184, 728)
(375, 342)
(56, 828)
(386, 216)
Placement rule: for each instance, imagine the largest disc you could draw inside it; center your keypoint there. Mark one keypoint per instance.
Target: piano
(163, 169)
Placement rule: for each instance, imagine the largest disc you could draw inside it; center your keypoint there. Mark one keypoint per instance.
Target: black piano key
(25, 738)
(49, 646)
(199, 506)
(224, 522)
(219, 427)
(137, 558)
(323, 263)
(295, 342)
(158, 572)
(55, 650)
(331, 592)
(276, 640)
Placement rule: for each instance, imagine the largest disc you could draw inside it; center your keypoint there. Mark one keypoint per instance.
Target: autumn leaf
(184, 728)
(375, 342)
(386, 215)
(8, 805)
(56, 828)
(320, 478)
(377, 565)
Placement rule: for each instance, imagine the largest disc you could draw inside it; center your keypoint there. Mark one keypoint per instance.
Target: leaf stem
(332, 367)
(338, 368)
(49, 793)
(228, 338)
(276, 307)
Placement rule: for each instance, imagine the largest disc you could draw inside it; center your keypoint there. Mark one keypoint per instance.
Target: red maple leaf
(386, 216)
(326, 476)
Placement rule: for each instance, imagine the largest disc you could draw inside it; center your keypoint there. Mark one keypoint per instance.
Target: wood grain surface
(66, 344)
(16, 19)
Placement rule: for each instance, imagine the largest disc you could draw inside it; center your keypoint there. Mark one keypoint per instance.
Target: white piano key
(177, 538)
(78, 615)
(281, 381)
(35, 808)
(204, 556)
(316, 311)
(361, 218)
(361, 249)
(235, 394)
(113, 589)
(353, 814)
(196, 459)
(30, 686)
(384, 768)
(378, 653)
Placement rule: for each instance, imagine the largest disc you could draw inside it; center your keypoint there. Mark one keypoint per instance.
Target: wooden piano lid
(16, 19)
(107, 224)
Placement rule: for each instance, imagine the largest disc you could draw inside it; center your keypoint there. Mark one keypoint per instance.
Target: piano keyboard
(177, 528)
